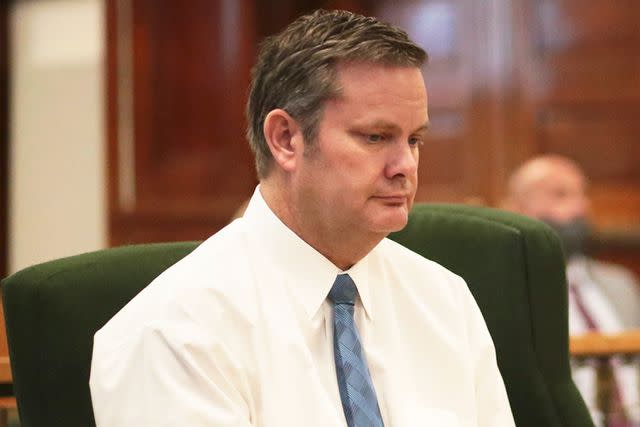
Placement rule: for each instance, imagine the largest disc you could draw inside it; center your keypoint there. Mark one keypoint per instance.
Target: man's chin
(392, 223)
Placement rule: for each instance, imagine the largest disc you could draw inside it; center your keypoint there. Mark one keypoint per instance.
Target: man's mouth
(393, 199)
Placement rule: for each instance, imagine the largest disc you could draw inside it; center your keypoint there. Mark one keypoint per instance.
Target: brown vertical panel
(187, 166)
(111, 113)
(190, 75)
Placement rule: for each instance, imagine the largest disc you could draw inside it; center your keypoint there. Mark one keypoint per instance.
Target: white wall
(57, 194)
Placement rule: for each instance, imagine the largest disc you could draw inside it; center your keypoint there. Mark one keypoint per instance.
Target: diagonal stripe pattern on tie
(358, 396)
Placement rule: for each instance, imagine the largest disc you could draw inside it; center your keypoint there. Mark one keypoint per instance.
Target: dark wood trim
(4, 136)
(111, 102)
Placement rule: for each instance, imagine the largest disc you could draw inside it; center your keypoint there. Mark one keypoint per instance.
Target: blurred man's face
(559, 196)
(361, 175)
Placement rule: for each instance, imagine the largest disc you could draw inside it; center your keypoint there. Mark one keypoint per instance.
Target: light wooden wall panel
(5, 370)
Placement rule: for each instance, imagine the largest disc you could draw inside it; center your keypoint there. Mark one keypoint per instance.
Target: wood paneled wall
(507, 79)
(579, 84)
(177, 83)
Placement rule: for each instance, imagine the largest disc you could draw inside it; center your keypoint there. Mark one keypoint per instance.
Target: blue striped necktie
(358, 396)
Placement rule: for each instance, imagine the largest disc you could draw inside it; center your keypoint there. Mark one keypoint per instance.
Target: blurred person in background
(603, 297)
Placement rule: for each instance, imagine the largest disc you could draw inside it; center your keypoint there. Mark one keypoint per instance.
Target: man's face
(361, 174)
(560, 196)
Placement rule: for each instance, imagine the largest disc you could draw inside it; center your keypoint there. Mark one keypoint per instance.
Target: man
(301, 313)
(602, 297)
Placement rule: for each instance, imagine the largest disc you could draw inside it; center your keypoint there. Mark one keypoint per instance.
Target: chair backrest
(513, 265)
(52, 311)
(515, 269)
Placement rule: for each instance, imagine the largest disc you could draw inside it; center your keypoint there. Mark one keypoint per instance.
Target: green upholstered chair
(52, 311)
(513, 265)
(515, 269)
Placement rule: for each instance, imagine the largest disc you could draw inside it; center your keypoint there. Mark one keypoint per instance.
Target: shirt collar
(309, 273)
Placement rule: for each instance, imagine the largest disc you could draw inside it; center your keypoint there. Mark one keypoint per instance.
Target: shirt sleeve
(493, 407)
(167, 375)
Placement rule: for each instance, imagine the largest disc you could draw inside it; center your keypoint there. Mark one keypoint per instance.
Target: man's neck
(343, 248)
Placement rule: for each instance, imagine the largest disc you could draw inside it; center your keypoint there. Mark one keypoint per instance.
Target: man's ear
(284, 137)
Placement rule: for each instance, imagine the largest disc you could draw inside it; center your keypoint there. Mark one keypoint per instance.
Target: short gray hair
(296, 69)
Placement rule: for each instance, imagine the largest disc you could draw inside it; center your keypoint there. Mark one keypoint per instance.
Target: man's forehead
(376, 83)
(355, 70)
(562, 183)
(545, 172)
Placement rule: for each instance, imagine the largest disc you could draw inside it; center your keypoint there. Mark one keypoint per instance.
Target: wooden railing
(595, 350)
(594, 344)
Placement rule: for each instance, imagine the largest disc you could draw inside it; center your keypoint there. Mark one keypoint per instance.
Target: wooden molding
(595, 344)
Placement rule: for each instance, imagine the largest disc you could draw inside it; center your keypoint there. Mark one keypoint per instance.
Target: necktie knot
(343, 291)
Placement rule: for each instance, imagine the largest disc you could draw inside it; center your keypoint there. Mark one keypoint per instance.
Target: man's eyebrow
(384, 124)
(423, 128)
(387, 125)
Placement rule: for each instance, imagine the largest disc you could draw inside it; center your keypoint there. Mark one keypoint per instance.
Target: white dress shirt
(594, 300)
(239, 334)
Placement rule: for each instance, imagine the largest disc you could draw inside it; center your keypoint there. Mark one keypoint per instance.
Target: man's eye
(373, 138)
(415, 140)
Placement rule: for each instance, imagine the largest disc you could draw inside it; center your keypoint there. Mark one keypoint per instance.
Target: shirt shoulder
(404, 258)
(211, 285)
(421, 275)
(439, 298)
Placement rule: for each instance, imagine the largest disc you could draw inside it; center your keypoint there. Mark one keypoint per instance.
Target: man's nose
(402, 161)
